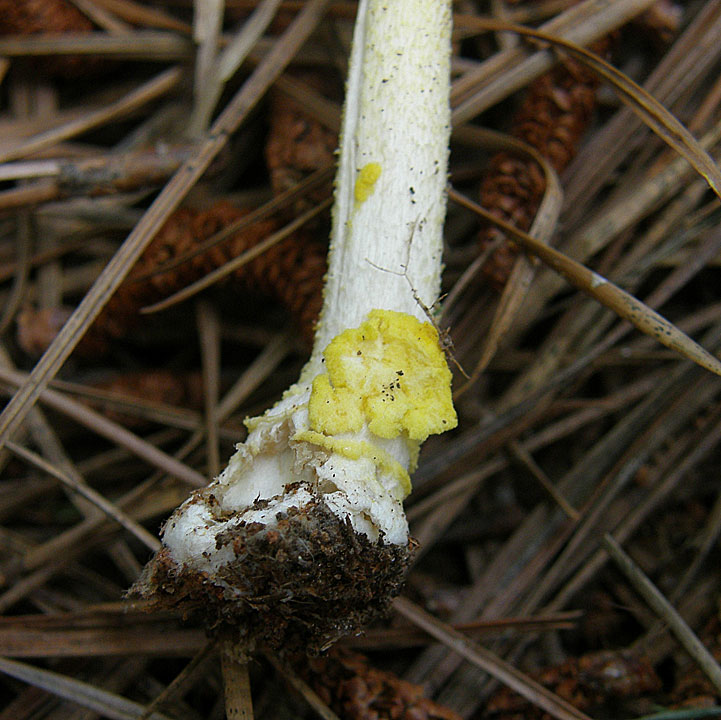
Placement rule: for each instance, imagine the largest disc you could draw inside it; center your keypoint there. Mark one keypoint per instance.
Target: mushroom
(303, 537)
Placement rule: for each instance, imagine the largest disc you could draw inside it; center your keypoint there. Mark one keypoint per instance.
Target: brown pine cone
(290, 272)
(355, 690)
(554, 115)
(298, 144)
(588, 682)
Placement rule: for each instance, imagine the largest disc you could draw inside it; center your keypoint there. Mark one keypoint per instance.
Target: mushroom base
(298, 584)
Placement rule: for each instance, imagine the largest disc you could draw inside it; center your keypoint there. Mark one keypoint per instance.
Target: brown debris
(692, 688)
(594, 680)
(355, 690)
(164, 387)
(26, 17)
(554, 115)
(290, 272)
(30, 17)
(298, 586)
(662, 20)
(297, 143)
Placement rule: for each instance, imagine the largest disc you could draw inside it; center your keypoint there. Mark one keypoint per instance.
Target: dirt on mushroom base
(299, 584)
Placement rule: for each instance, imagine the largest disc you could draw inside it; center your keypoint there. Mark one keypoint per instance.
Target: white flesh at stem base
(385, 253)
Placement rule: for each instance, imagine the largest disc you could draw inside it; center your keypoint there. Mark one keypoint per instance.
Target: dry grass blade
(89, 696)
(93, 302)
(137, 45)
(139, 502)
(135, 407)
(207, 26)
(705, 542)
(89, 494)
(325, 111)
(240, 46)
(102, 18)
(265, 364)
(303, 689)
(268, 209)
(143, 15)
(20, 638)
(395, 638)
(665, 611)
(542, 228)
(655, 115)
(622, 214)
(693, 49)
(551, 356)
(505, 72)
(490, 663)
(155, 88)
(181, 680)
(111, 430)
(626, 306)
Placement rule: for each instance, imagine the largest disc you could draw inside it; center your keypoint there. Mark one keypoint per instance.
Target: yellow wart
(366, 181)
(389, 374)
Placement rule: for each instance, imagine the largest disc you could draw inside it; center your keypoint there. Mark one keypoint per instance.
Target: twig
(605, 292)
(658, 603)
(303, 689)
(238, 702)
(152, 90)
(111, 510)
(116, 270)
(489, 662)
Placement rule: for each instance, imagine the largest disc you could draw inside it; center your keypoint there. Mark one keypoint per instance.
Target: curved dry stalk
(504, 73)
(653, 113)
(626, 306)
(542, 228)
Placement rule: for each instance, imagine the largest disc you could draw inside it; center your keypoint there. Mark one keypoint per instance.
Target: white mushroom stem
(348, 433)
(388, 234)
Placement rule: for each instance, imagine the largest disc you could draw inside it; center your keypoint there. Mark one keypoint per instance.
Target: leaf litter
(583, 469)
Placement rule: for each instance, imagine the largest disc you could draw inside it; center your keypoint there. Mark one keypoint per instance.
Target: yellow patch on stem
(366, 181)
(389, 373)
